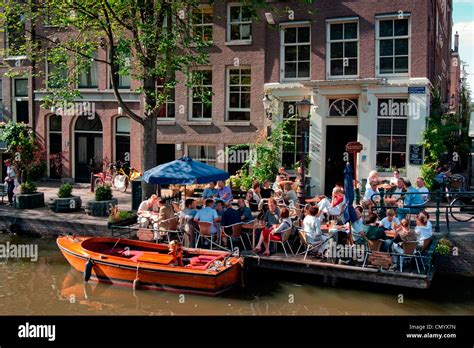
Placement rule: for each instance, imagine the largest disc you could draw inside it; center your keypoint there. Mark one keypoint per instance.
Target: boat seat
(202, 261)
(151, 257)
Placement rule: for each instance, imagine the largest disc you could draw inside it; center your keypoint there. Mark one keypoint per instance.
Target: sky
(463, 18)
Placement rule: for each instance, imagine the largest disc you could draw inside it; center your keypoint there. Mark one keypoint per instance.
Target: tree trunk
(148, 152)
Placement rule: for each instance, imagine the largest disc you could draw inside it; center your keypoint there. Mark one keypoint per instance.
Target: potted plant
(103, 202)
(121, 218)
(29, 198)
(65, 202)
(442, 250)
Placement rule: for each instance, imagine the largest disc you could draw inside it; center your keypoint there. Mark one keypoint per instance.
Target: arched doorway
(88, 147)
(122, 139)
(55, 146)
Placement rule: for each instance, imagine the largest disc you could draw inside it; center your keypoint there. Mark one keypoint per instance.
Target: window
(55, 146)
(343, 46)
(393, 37)
(343, 107)
(167, 110)
(203, 153)
(293, 127)
(238, 94)
(392, 134)
(21, 108)
(21, 88)
(15, 34)
(296, 52)
(236, 157)
(122, 139)
(202, 22)
(122, 62)
(239, 23)
(56, 74)
(201, 94)
(88, 77)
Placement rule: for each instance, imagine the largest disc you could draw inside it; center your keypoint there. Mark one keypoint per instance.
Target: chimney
(456, 42)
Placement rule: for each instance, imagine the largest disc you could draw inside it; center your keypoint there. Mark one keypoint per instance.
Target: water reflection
(51, 287)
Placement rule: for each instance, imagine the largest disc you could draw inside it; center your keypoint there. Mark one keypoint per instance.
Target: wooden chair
(205, 233)
(236, 234)
(372, 245)
(285, 235)
(409, 252)
(176, 207)
(170, 227)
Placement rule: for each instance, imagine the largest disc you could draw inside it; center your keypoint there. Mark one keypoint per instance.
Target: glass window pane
(303, 69)
(303, 52)
(401, 64)
(246, 31)
(401, 27)
(386, 65)
(290, 53)
(303, 34)
(336, 32)
(384, 143)
(350, 31)
(235, 13)
(55, 123)
(246, 14)
(386, 48)
(350, 49)
(244, 71)
(21, 87)
(234, 79)
(337, 50)
(290, 35)
(399, 160)
(197, 110)
(337, 67)
(401, 47)
(245, 100)
(245, 80)
(123, 125)
(384, 126)
(239, 115)
(383, 160)
(399, 144)
(400, 127)
(386, 28)
(234, 100)
(352, 68)
(235, 32)
(290, 70)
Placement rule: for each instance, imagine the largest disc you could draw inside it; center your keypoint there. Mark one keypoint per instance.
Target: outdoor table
(390, 234)
(283, 182)
(253, 226)
(386, 187)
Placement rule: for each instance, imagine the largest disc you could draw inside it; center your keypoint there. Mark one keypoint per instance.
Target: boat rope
(118, 240)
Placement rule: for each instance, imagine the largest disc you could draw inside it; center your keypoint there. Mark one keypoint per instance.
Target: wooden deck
(312, 266)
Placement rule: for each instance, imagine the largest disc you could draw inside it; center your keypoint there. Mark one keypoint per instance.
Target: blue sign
(416, 90)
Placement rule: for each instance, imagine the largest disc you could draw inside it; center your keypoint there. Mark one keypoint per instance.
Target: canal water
(49, 286)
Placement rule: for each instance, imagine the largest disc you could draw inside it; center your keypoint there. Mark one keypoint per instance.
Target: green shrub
(443, 247)
(103, 193)
(65, 191)
(124, 215)
(38, 171)
(27, 188)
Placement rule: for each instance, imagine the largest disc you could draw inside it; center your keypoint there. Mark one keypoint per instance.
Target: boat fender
(136, 283)
(88, 270)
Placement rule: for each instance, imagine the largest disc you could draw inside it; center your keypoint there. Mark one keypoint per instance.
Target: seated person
(189, 210)
(272, 215)
(404, 234)
(372, 178)
(333, 206)
(283, 174)
(357, 227)
(266, 191)
(289, 194)
(372, 230)
(231, 216)
(420, 184)
(423, 230)
(224, 193)
(161, 224)
(410, 202)
(146, 210)
(210, 191)
(244, 211)
(390, 222)
(274, 232)
(367, 202)
(396, 195)
(394, 178)
(254, 197)
(276, 188)
(208, 214)
(187, 221)
(312, 229)
(220, 209)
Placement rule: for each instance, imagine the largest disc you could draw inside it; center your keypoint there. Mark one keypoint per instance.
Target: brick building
(366, 66)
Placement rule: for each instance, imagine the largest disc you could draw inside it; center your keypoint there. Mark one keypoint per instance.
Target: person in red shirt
(333, 206)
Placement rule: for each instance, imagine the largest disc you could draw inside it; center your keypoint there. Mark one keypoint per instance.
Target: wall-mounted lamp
(267, 101)
(269, 17)
(119, 110)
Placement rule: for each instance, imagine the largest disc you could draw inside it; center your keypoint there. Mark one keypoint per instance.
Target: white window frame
(167, 103)
(200, 8)
(190, 98)
(284, 26)
(204, 160)
(377, 117)
(94, 61)
(16, 99)
(227, 92)
(229, 23)
(329, 41)
(377, 43)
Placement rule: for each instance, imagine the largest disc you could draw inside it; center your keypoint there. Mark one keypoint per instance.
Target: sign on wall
(416, 154)
(416, 90)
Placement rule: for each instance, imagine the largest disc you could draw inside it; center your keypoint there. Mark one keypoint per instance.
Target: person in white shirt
(423, 230)
(396, 195)
(372, 190)
(357, 227)
(373, 177)
(390, 222)
(395, 177)
(312, 229)
(148, 211)
(420, 184)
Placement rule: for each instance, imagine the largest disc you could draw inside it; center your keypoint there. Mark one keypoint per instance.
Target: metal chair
(236, 234)
(205, 233)
(372, 245)
(285, 235)
(409, 252)
(308, 246)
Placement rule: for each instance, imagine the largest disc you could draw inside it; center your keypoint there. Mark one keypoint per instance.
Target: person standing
(10, 180)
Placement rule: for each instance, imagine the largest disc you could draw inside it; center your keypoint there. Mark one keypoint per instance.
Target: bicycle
(461, 208)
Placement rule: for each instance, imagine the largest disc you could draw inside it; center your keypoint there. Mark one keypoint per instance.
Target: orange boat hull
(151, 275)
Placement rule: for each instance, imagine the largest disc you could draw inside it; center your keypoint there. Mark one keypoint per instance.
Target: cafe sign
(354, 146)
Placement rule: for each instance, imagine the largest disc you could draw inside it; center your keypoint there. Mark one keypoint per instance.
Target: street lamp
(303, 108)
(267, 105)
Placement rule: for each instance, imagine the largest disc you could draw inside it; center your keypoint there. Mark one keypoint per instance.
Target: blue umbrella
(184, 171)
(349, 211)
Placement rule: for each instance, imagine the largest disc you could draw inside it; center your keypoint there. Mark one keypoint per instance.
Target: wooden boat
(148, 265)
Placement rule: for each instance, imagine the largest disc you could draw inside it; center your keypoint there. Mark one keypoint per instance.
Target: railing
(173, 198)
(438, 195)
